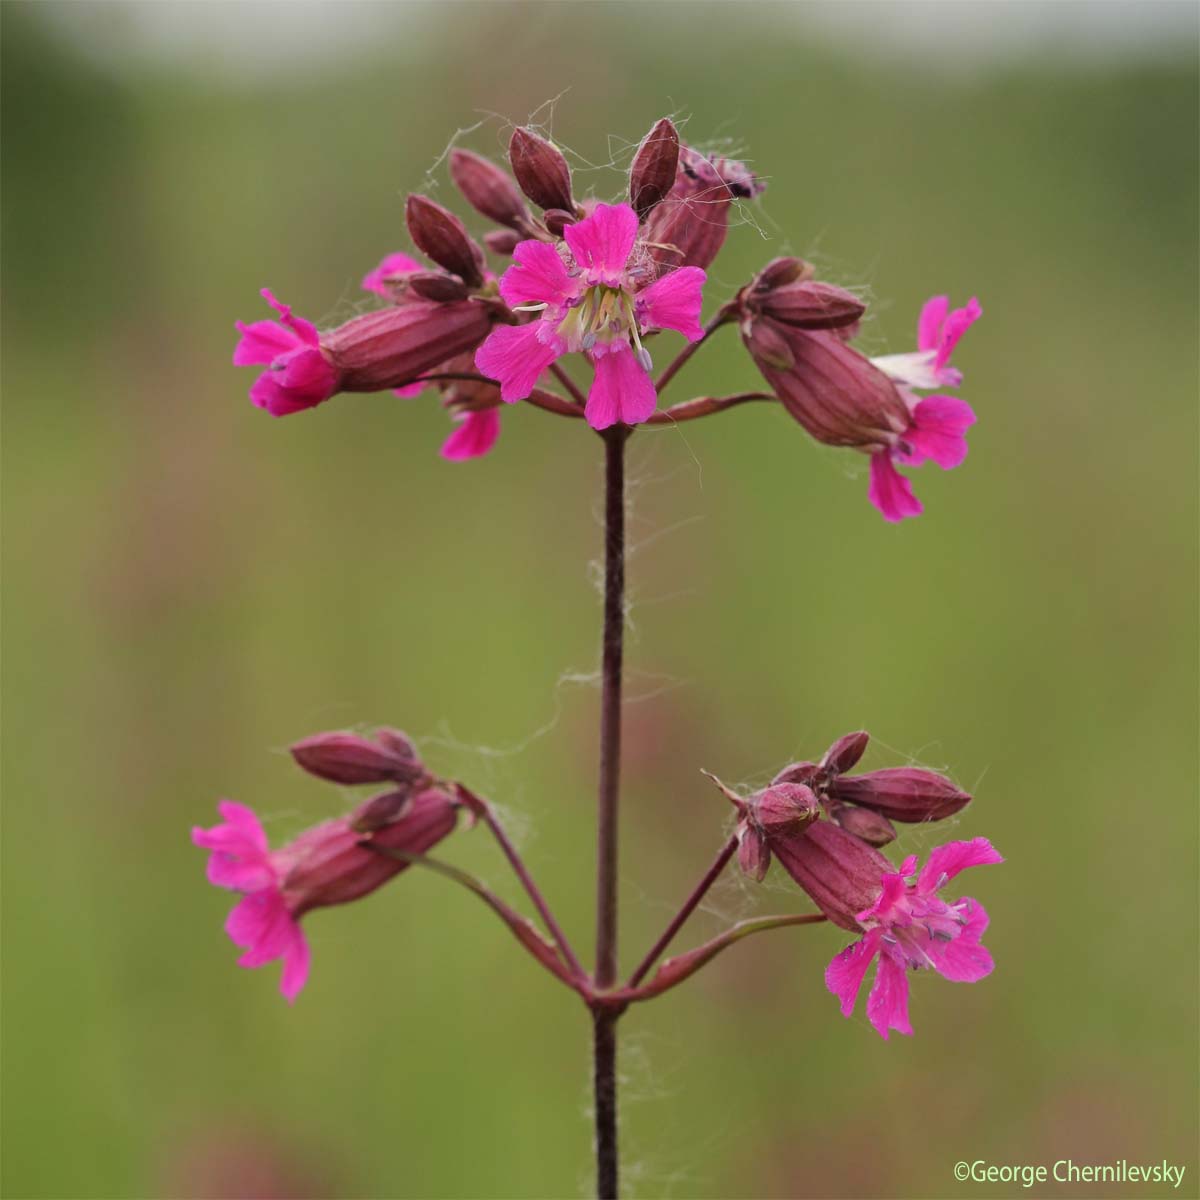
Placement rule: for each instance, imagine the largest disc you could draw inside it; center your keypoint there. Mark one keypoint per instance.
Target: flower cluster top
(598, 282)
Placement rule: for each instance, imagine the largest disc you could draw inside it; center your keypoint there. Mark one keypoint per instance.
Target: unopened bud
(844, 753)
(812, 305)
(350, 759)
(379, 811)
(780, 272)
(436, 285)
(870, 827)
(652, 172)
(501, 241)
(398, 743)
(784, 810)
(754, 855)
(439, 233)
(487, 188)
(557, 219)
(907, 794)
(768, 346)
(801, 772)
(541, 170)
(841, 874)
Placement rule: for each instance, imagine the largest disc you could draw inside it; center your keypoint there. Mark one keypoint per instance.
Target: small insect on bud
(865, 825)
(440, 234)
(844, 753)
(488, 189)
(557, 219)
(502, 241)
(652, 172)
(541, 170)
(435, 285)
(350, 759)
(902, 793)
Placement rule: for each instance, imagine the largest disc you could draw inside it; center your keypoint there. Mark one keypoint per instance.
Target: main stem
(605, 1018)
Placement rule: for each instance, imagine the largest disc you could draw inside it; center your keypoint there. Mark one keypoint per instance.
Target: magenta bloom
(298, 374)
(590, 303)
(325, 865)
(909, 925)
(474, 436)
(390, 266)
(938, 424)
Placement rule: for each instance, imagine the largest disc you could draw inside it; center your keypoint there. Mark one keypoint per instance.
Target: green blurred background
(191, 585)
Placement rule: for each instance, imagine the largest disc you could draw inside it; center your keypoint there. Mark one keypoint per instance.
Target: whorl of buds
(652, 172)
(488, 189)
(541, 170)
(349, 758)
(438, 233)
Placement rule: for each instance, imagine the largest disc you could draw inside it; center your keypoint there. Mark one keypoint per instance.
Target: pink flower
(589, 302)
(324, 866)
(298, 375)
(910, 926)
(475, 435)
(390, 266)
(938, 332)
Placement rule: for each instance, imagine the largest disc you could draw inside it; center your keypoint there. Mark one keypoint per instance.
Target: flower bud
(902, 793)
(783, 810)
(869, 826)
(754, 855)
(812, 305)
(488, 189)
(381, 810)
(841, 874)
(350, 759)
(652, 172)
(801, 772)
(779, 272)
(688, 227)
(844, 753)
(541, 170)
(557, 219)
(440, 234)
(502, 241)
(834, 392)
(436, 285)
(397, 743)
(331, 865)
(392, 347)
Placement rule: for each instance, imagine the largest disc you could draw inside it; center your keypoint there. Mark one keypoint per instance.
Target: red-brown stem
(570, 384)
(608, 798)
(689, 906)
(534, 894)
(703, 406)
(723, 317)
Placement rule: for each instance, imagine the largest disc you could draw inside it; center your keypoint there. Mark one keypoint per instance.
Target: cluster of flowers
(599, 280)
(822, 824)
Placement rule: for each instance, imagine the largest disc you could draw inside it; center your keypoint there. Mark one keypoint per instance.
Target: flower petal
(887, 1006)
(263, 342)
(964, 960)
(955, 325)
(929, 324)
(602, 242)
(515, 356)
(947, 861)
(306, 331)
(296, 961)
(538, 276)
(622, 391)
(673, 302)
(889, 491)
(844, 975)
(390, 265)
(938, 431)
(474, 437)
